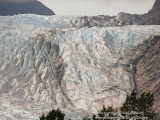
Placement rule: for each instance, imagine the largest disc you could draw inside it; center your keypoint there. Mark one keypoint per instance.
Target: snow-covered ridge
(68, 67)
(64, 21)
(47, 21)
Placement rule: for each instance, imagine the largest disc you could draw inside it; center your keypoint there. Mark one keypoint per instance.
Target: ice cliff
(46, 62)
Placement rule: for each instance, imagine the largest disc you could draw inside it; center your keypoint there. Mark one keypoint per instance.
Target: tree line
(135, 107)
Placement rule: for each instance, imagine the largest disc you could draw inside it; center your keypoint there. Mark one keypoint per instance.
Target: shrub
(53, 115)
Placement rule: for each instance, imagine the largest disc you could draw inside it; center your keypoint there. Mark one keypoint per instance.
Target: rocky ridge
(148, 74)
(14, 7)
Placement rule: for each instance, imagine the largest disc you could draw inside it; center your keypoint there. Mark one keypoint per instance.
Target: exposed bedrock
(15, 7)
(123, 19)
(148, 72)
(145, 64)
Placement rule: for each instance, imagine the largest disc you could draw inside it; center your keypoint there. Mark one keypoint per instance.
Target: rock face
(156, 6)
(148, 72)
(75, 69)
(123, 19)
(145, 59)
(13, 7)
(153, 16)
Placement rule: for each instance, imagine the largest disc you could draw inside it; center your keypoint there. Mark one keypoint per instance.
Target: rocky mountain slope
(145, 59)
(148, 73)
(13, 7)
(122, 19)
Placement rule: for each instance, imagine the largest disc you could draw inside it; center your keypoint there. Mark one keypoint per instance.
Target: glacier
(46, 62)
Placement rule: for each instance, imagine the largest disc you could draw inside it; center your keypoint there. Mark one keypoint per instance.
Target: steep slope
(13, 7)
(148, 73)
(153, 16)
(156, 6)
(145, 61)
(75, 69)
(123, 19)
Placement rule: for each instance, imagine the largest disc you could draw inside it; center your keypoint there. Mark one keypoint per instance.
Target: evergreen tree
(145, 103)
(104, 114)
(86, 118)
(136, 107)
(107, 113)
(53, 115)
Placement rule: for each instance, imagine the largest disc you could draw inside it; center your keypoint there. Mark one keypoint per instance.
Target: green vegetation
(104, 114)
(53, 115)
(86, 118)
(142, 106)
(137, 107)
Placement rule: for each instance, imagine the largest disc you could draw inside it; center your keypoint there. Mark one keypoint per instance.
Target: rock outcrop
(148, 72)
(145, 60)
(123, 19)
(14, 7)
(156, 6)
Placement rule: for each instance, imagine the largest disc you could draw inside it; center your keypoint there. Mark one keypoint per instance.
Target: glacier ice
(45, 60)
